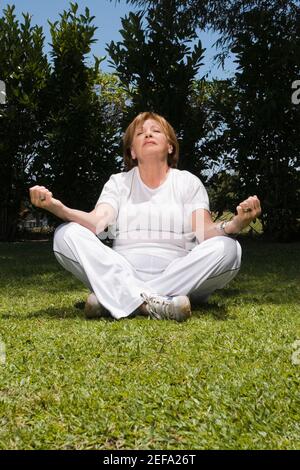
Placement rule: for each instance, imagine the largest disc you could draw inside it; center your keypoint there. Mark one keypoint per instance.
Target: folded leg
(207, 267)
(105, 272)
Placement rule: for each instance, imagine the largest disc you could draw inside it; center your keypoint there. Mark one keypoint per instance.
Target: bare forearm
(216, 229)
(97, 220)
(205, 228)
(86, 219)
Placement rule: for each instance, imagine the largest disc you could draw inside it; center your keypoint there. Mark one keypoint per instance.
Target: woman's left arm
(204, 227)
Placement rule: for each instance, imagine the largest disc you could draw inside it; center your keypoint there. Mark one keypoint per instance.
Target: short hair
(167, 129)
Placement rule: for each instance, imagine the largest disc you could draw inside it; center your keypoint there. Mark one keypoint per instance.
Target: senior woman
(166, 249)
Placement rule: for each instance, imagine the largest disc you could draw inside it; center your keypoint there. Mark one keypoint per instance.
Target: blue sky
(108, 20)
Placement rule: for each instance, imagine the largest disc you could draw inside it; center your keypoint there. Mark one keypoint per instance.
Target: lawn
(228, 378)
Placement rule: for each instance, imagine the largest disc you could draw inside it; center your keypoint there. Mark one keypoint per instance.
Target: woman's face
(150, 142)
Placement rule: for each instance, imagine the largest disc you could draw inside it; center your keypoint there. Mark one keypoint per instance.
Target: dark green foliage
(82, 138)
(223, 192)
(262, 122)
(57, 128)
(24, 69)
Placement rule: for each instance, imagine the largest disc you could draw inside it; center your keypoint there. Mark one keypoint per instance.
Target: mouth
(150, 142)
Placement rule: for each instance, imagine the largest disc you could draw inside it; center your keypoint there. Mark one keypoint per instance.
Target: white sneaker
(93, 309)
(162, 307)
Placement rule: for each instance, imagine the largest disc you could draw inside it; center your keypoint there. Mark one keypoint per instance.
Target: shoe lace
(157, 306)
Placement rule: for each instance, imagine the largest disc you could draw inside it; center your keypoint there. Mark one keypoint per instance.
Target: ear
(133, 154)
(170, 149)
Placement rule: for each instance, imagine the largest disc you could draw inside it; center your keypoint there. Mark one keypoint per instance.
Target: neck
(153, 174)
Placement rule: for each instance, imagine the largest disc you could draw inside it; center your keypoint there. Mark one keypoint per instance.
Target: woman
(167, 249)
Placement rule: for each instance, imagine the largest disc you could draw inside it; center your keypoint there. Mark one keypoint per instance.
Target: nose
(148, 133)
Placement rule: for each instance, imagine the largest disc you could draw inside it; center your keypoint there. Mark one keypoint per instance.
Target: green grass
(223, 380)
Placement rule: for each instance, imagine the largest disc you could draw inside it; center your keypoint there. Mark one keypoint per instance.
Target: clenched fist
(247, 211)
(42, 197)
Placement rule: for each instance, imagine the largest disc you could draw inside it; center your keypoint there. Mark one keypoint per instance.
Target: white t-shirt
(153, 226)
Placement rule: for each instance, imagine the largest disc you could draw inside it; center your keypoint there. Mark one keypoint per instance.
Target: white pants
(207, 267)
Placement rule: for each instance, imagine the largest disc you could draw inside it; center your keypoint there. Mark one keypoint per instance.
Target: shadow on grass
(279, 292)
(50, 312)
(216, 310)
(269, 274)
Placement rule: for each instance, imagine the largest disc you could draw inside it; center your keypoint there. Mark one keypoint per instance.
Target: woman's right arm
(97, 220)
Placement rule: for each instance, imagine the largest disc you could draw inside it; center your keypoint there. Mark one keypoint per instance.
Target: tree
(24, 70)
(222, 190)
(82, 138)
(112, 96)
(262, 123)
(157, 66)
(224, 17)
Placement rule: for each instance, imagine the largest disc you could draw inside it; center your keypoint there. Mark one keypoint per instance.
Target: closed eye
(153, 130)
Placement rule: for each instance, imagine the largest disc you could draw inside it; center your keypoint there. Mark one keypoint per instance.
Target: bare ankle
(141, 310)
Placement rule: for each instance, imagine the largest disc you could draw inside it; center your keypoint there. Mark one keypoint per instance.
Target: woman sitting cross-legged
(166, 249)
